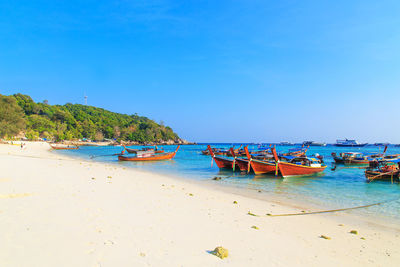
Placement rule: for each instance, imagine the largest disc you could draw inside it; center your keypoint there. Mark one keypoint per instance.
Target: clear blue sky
(223, 71)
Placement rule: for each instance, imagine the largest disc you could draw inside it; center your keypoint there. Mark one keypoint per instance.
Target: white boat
(349, 143)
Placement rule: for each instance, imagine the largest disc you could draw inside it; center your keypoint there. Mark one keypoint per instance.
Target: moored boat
(350, 158)
(222, 162)
(383, 171)
(299, 166)
(260, 166)
(243, 164)
(354, 158)
(63, 147)
(150, 156)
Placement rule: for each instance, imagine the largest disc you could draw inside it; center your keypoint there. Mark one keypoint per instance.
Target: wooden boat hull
(379, 176)
(288, 169)
(262, 167)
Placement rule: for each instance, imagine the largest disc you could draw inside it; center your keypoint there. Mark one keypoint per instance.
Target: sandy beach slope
(58, 211)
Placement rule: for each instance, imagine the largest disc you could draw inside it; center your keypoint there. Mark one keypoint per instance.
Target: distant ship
(285, 143)
(312, 143)
(349, 143)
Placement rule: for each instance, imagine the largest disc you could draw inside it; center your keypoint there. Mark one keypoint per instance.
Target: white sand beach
(59, 211)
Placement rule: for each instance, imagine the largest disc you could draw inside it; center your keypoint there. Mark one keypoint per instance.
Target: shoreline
(127, 216)
(298, 202)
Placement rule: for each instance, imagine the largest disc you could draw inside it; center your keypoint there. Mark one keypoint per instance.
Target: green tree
(11, 117)
(32, 135)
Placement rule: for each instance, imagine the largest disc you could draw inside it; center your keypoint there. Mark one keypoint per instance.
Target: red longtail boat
(222, 163)
(243, 164)
(298, 166)
(151, 157)
(260, 166)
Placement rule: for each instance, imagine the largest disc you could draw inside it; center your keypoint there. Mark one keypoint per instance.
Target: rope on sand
(326, 211)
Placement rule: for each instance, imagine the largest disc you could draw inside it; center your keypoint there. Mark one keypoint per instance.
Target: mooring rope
(324, 211)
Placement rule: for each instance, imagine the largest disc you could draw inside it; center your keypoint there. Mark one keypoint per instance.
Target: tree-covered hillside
(74, 121)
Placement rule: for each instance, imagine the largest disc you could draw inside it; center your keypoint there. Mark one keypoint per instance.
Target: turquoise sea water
(344, 187)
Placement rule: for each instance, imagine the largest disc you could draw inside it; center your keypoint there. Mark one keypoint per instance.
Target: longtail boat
(60, 147)
(354, 158)
(299, 166)
(150, 157)
(383, 171)
(350, 158)
(260, 166)
(222, 163)
(243, 164)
